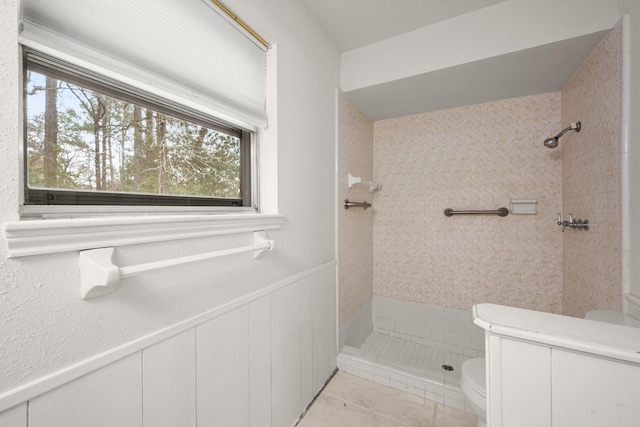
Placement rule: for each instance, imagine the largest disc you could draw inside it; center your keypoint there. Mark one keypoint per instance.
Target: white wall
(255, 365)
(631, 240)
(355, 226)
(591, 181)
(501, 29)
(46, 328)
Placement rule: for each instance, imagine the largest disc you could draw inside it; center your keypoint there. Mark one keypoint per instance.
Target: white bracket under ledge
(100, 276)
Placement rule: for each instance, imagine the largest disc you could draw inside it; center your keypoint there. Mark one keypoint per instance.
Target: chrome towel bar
(499, 212)
(348, 204)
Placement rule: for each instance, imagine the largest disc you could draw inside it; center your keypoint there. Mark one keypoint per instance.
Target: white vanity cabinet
(549, 370)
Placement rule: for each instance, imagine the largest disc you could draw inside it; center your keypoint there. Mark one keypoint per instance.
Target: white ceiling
(356, 23)
(353, 24)
(532, 71)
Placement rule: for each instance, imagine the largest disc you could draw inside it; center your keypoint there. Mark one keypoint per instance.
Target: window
(161, 76)
(89, 140)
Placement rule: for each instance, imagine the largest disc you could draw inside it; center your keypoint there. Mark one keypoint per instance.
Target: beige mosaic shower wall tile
(355, 226)
(592, 181)
(473, 157)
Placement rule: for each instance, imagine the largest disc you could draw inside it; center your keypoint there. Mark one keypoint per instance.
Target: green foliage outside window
(78, 139)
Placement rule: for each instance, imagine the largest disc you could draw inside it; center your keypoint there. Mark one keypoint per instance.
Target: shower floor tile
(410, 356)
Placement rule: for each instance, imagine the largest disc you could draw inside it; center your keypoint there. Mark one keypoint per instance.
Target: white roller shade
(180, 49)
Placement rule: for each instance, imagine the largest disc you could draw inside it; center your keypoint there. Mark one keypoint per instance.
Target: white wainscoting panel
(594, 392)
(110, 396)
(14, 417)
(169, 382)
(260, 362)
(285, 356)
(324, 328)
(523, 363)
(222, 356)
(306, 340)
(255, 362)
(551, 370)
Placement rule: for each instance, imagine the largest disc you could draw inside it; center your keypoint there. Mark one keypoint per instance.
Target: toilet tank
(615, 317)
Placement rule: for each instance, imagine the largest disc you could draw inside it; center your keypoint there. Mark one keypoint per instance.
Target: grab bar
(499, 212)
(348, 204)
(99, 276)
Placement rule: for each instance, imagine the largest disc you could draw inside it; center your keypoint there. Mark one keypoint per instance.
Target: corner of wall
(355, 330)
(592, 180)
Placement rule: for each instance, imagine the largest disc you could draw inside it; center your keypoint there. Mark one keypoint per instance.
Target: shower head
(553, 142)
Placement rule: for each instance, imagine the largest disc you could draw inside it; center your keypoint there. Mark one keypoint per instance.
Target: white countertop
(554, 330)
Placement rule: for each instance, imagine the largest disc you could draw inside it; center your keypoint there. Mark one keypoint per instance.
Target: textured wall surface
(45, 327)
(474, 157)
(632, 125)
(591, 181)
(355, 225)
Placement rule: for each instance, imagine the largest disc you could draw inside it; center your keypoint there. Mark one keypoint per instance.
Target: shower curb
(440, 388)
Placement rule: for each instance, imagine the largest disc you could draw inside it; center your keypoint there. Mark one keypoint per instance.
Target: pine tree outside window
(91, 141)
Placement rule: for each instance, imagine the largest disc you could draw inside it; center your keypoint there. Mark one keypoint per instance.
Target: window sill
(37, 237)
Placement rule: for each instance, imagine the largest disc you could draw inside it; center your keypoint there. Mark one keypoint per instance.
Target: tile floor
(350, 401)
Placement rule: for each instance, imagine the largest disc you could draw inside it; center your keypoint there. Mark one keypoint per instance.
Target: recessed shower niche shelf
(523, 206)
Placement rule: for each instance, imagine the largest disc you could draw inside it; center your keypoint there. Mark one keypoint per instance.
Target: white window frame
(52, 229)
(68, 197)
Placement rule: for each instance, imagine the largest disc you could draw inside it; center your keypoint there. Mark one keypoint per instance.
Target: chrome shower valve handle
(561, 223)
(579, 224)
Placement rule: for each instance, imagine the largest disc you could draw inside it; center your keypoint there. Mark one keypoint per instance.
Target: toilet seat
(473, 371)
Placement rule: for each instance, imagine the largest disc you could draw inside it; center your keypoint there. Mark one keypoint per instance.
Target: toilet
(473, 381)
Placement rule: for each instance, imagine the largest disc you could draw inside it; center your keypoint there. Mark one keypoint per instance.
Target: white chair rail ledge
(48, 236)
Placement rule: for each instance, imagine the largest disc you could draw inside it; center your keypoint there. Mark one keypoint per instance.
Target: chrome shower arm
(553, 142)
(573, 126)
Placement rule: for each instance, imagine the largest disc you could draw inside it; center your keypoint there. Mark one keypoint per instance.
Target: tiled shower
(417, 348)
(403, 257)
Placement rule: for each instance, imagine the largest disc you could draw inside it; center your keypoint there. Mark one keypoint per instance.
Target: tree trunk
(96, 145)
(149, 159)
(105, 134)
(137, 147)
(50, 149)
(163, 170)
